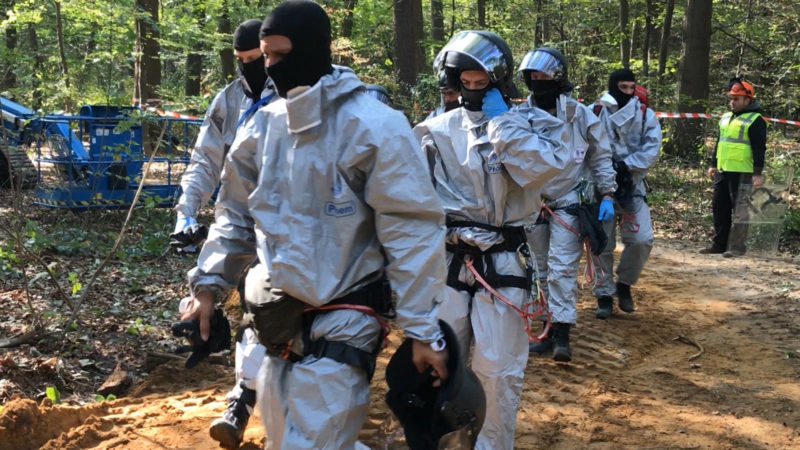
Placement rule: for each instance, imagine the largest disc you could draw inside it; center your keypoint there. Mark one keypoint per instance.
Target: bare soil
(710, 359)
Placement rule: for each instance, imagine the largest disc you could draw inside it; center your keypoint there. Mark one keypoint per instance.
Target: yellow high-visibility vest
(734, 153)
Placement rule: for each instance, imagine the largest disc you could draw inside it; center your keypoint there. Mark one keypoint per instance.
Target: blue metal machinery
(96, 159)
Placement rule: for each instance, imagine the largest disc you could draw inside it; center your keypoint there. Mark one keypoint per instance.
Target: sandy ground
(636, 381)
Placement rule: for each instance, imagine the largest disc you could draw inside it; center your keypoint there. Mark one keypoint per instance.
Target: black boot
(561, 351)
(624, 296)
(604, 306)
(545, 346)
(228, 430)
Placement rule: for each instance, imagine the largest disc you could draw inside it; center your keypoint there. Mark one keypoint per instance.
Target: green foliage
(100, 399)
(52, 393)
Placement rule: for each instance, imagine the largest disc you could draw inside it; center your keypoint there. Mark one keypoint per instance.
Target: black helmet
(378, 92)
(479, 50)
(448, 416)
(549, 61)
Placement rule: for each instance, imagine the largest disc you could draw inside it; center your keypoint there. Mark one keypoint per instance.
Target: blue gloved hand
(188, 234)
(606, 210)
(493, 103)
(187, 224)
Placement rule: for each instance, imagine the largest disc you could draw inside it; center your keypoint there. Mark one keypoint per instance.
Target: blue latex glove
(493, 103)
(606, 210)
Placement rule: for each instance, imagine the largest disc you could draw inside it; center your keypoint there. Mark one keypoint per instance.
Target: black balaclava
(617, 76)
(453, 104)
(307, 26)
(246, 38)
(544, 92)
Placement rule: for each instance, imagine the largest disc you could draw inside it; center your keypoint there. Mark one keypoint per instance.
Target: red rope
(362, 309)
(540, 305)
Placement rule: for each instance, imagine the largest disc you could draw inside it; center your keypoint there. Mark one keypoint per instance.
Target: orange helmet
(739, 87)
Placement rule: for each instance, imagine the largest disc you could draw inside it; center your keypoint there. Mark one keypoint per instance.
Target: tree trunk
(741, 43)
(437, 21)
(538, 27)
(148, 64)
(648, 36)
(61, 52)
(481, 14)
(687, 135)
(226, 54)
(408, 56)
(7, 78)
(624, 43)
(194, 59)
(38, 65)
(663, 48)
(347, 22)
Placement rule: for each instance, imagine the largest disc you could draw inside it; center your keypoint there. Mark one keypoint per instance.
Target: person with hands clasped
(556, 238)
(737, 160)
(325, 192)
(488, 167)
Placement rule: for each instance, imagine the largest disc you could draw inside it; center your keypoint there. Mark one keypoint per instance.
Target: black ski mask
(245, 38)
(617, 76)
(451, 105)
(545, 93)
(308, 28)
(254, 76)
(472, 99)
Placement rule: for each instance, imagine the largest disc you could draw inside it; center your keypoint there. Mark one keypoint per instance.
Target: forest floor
(710, 359)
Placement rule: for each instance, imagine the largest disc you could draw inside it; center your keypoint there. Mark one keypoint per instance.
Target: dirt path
(632, 384)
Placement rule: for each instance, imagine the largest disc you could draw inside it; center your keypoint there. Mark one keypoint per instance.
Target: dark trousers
(723, 204)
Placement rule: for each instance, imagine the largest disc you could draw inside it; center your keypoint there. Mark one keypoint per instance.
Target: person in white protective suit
(230, 108)
(488, 167)
(449, 97)
(326, 192)
(555, 239)
(635, 135)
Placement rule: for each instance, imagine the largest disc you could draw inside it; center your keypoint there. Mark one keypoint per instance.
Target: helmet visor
(541, 62)
(380, 96)
(480, 49)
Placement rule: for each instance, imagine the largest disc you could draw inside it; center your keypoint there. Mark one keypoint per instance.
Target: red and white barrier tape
(667, 115)
(164, 113)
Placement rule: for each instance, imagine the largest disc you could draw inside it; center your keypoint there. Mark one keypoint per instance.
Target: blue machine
(97, 158)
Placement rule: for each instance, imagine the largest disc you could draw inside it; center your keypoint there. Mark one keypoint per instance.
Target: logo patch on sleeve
(493, 164)
(341, 209)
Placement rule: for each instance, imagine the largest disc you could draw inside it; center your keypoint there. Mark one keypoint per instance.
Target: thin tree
(624, 43)
(194, 59)
(648, 36)
(346, 30)
(666, 30)
(226, 53)
(437, 22)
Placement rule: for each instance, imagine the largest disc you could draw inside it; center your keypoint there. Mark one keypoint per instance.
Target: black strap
(344, 353)
(377, 296)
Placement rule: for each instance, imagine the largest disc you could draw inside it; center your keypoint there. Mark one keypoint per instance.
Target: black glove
(219, 337)
(624, 192)
(189, 238)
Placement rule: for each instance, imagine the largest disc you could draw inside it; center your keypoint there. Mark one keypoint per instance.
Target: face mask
(294, 70)
(472, 99)
(451, 105)
(621, 98)
(254, 76)
(545, 93)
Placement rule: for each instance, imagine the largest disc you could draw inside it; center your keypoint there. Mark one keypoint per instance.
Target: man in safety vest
(737, 159)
